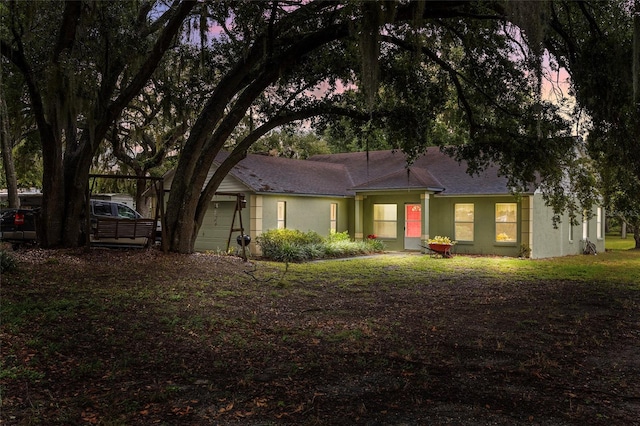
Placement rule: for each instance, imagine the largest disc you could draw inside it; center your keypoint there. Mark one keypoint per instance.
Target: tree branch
(150, 64)
(453, 73)
(155, 26)
(68, 28)
(18, 59)
(239, 152)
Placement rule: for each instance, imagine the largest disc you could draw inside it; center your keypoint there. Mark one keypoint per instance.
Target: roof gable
(434, 170)
(345, 174)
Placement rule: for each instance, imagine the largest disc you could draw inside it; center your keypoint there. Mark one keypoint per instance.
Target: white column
(255, 220)
(359, 218)
(425, 218)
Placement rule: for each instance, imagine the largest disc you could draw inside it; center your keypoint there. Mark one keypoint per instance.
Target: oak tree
(404, 59)
(415, 68)
(82, 62)
(599, 45)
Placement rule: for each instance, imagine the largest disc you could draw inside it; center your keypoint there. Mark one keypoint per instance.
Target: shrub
(525, 251)
(339, 248)
(7, 261)
(338, 236)
(293, 236)
(375, 246)
(290, 252)
(315, 250)
(290, 245)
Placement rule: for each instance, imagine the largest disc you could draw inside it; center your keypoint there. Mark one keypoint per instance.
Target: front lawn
(614, 242)
(137, 337)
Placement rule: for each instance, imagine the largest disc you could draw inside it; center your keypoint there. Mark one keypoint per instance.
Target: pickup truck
(18, 226)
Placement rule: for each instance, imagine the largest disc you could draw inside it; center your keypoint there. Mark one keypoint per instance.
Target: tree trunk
(199, 152)
(191, 174)
(53, 196)
(623, 229)
(76, 172)
(181, 226)
(7, 157)
(181, 208)
(141, 186)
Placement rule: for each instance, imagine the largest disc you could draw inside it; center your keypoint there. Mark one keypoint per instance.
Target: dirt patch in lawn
(137, 337)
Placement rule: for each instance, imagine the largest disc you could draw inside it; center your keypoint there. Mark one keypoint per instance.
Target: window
(570, 231)
(464, 225)
(333, 218)
(385, 218)
(281, 215)
(506, 222)
(585, 226)
(126, 212)
(599, 223)
(101, 209)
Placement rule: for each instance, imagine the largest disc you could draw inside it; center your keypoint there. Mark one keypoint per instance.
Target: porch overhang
(383, 190)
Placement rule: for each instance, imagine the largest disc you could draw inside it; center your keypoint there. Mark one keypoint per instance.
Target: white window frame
(281, 215)
(333, 217)
(457, 221)
(503, 222)
(393, 219)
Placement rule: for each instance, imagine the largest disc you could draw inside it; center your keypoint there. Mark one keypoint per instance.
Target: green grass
(616, 267)
(614, 242)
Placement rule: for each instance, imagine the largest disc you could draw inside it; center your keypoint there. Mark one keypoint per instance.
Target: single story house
(376, 194)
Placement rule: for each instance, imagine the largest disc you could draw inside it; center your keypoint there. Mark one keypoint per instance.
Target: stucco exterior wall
(306, 213)
(302, 213)
(547, 240)
(563, 240)
(216, 225)
(442, 223)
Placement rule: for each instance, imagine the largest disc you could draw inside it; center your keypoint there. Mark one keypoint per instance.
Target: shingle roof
(347, 173)
(279, 175)
(402, 179)
(433, 170)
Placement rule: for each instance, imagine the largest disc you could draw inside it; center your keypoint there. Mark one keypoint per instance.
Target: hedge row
(290, 245)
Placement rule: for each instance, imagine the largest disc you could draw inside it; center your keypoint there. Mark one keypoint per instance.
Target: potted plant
(441, 245)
